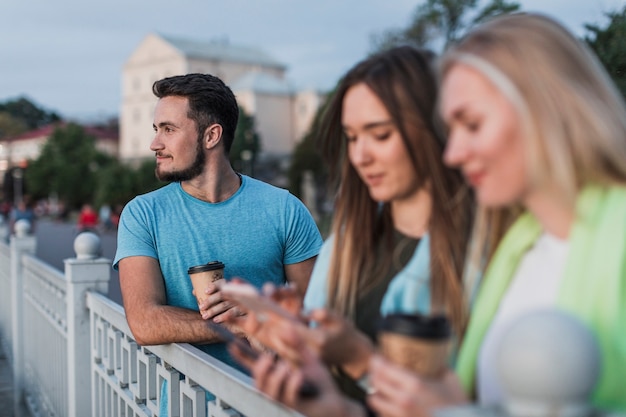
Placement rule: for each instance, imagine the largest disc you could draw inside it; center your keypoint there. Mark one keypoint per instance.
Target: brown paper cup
(418, 343)
(202, 275)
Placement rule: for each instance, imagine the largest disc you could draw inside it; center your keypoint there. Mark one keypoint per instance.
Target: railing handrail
(226, 383)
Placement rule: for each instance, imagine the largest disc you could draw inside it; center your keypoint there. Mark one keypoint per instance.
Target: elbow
(141, 334)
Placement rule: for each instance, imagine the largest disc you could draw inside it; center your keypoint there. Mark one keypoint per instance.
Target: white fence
(73, 355)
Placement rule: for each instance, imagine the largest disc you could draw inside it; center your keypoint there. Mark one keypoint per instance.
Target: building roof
(222, 50)
(97, 132)
(263, 83)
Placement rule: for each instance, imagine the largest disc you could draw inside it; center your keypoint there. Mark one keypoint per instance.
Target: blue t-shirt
(408, 292)
(254, 233)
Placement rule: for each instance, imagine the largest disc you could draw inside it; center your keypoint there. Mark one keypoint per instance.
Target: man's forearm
(169, 324)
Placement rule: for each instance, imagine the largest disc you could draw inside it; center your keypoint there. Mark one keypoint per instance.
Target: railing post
(86, 272)
(21, 243)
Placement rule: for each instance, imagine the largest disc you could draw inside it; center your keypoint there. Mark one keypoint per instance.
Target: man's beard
(189, 173)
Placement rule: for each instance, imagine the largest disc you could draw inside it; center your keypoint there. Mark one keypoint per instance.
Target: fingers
(400, 392)
(242, 356)
(278, 380)
(269, 378)
(226, 311)
(210, 297)
(387, 376)
(319, 315)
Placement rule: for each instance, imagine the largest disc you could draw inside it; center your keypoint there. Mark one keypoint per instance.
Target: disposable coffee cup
(417, 342)
(203, 275)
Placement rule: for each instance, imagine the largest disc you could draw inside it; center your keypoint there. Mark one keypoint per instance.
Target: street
(55, 242)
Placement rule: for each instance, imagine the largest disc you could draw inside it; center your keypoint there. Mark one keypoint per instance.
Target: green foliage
(247, 144)
(10, 126)
(609, 44)
(68, 167)
(29, 113)
(144, 179)
(445, 20)
(115, 185)
(119, 183)
(306, 155)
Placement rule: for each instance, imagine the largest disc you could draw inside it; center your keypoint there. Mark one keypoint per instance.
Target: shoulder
(268, 194)
(156, 195)
(258, 186)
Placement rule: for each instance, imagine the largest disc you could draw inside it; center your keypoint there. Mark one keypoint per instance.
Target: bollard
(22, 228)
(87, 246)
(86, 272)
(21, 243)
(548, 363)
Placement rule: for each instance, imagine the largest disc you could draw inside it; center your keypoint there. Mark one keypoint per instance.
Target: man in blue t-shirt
(208, 212)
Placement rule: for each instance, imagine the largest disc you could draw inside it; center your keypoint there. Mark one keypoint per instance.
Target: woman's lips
(373, 180)
(475, 179)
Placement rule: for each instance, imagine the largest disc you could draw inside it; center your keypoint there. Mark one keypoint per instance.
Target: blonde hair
(573, 118)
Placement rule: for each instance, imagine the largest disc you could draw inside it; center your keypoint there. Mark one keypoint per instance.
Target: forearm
(168, 324)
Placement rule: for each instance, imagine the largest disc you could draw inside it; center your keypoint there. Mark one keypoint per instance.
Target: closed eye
(383, 136)
(348, 138)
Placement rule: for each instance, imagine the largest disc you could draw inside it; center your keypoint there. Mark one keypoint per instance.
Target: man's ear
(212, 135)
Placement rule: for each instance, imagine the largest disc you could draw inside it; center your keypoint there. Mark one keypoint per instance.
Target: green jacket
(593, 288)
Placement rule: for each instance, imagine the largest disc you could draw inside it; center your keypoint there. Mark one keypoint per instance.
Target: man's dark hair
(210, 101)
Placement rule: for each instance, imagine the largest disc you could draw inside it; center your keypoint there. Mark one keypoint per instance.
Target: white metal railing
(73, 354)
(127, 377)
(5, 299)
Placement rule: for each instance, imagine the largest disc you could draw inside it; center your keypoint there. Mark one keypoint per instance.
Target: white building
(282, 115)
(18, 150)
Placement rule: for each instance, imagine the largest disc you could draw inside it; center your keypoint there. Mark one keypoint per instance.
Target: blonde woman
(539, 131)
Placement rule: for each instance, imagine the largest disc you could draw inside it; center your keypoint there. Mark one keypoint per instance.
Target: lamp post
(18, 175)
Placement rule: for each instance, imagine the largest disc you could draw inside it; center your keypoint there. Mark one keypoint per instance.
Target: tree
(10, 126)
(118, 183)
(609, 44)
(68, 166)
(30, 114)
(144, 178)
(115, 185)
(306, 155)
(246, 145)
(445, 20)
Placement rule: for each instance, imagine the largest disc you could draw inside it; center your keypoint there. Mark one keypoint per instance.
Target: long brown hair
(403, 79)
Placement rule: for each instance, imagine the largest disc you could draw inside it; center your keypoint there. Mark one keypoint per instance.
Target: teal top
(408, 291)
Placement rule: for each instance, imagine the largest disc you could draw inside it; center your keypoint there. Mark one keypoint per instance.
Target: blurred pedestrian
(23, 211)
(87, 219)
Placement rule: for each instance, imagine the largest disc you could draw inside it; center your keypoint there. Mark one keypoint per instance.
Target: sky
(67, 55)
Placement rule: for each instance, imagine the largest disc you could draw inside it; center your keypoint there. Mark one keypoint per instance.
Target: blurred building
(282, 114)
(16, 151)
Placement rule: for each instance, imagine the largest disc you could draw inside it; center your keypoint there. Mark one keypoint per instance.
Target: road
(55, 242)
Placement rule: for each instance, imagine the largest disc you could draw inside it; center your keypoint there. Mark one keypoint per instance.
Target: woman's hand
(283, 382)
(338, 342)
(398, 392)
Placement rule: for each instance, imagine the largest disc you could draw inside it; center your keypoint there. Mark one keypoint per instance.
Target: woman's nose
(360, 152)
(456, 151)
